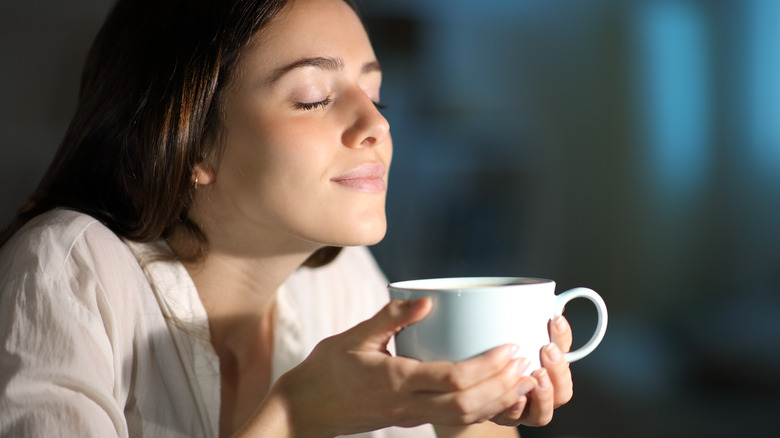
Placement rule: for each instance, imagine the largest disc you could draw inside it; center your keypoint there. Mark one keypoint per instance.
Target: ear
(202, 173)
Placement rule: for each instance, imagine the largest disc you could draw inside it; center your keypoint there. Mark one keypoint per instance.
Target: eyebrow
(323, 63)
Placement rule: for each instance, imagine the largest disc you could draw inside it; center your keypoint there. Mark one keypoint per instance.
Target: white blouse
(101, 338)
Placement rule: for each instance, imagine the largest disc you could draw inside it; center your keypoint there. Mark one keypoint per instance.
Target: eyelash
(325, 102)
(313, 105)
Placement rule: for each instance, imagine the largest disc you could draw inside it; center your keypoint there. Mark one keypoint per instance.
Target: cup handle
(601, 325)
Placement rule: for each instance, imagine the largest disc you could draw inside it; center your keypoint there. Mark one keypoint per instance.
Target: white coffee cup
(474, 314)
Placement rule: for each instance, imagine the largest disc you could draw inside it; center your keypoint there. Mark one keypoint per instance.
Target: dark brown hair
(148, 111)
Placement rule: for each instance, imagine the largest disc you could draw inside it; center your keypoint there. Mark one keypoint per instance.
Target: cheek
(273, 157)
(251, 141)
(294, 151)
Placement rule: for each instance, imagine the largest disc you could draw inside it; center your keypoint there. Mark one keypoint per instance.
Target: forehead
(310, 28)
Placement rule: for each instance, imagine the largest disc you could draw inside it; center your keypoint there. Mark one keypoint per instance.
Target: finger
(375, 333)
(560, 332)
(559, 374)
(484, 400)
(513, 415)
(459, 376)
(539, 411)
(470, 372)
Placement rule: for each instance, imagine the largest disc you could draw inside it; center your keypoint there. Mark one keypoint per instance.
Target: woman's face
(307, 152)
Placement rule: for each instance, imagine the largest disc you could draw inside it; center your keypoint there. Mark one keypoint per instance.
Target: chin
(368, 239)
(361, 235)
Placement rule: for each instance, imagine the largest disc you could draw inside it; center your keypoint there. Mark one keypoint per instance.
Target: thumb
(375, 333)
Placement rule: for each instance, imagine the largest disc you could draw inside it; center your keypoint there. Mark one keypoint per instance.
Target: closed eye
(306, 106)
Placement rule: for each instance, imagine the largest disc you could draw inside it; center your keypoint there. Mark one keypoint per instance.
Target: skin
(299, 116)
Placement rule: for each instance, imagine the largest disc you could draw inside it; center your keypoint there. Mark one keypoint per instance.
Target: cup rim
(466, 283)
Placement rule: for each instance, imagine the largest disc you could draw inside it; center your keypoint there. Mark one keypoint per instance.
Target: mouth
(368, 177)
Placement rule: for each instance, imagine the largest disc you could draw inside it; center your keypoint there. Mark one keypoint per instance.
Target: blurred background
(630, 146)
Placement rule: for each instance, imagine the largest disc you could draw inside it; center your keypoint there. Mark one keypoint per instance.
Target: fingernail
(542, 377)
(511, 351)
(525, 386)
(522, 366)
(552, 352)
(560, 323)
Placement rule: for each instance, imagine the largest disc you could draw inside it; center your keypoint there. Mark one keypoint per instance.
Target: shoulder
(45, 245)
(71, 287)
(70, 259)
(65, 269)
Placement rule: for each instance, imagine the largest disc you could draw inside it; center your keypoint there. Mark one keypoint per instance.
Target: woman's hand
(350, 383)
(553, 384)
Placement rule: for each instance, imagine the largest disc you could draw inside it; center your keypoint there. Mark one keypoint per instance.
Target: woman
(152, 286)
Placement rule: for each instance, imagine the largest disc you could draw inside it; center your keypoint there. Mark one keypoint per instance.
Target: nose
(368, 126)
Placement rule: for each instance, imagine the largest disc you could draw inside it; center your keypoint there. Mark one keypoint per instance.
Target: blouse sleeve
(57, 364)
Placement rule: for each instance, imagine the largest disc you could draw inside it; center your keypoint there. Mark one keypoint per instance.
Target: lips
(368, 177)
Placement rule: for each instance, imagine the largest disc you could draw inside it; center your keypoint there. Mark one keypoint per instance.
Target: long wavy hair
(149, 109)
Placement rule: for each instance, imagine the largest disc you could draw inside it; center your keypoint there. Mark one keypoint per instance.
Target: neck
(239, 292)
(238, 287)
(238, 281)
(239, 295)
